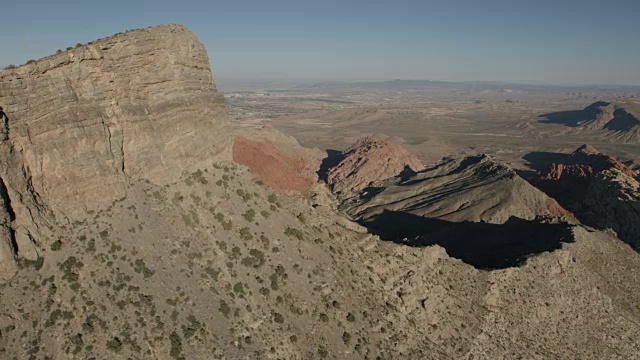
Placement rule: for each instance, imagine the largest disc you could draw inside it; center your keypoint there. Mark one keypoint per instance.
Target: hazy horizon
(559, 42)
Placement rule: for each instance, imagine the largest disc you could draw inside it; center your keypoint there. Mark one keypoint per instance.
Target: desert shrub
(192, 328)
(9, 67)
(141, 268)
(249, 215)
(292, 232)
(351, 317)
(56, 245)
(346, 338)
(277, 317)
(224, 308)
(176, 345)
(302, 218)
(256, 260)
(114, 345)
(245, 234)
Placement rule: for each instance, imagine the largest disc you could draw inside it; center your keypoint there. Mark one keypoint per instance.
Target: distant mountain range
(406, 85)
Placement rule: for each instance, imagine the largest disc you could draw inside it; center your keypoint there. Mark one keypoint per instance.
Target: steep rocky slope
(211, 263)
(217, 266)
(602, 191)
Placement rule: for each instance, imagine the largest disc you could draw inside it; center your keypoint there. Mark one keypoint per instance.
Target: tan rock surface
(140, 105)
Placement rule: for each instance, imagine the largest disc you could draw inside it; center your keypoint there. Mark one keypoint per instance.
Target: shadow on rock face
(333, 158)
(541, 160)
(482, 245)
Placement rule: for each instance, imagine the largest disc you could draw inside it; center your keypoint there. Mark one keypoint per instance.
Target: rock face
(619, 121)
(599, 189)
(140, 105)
(370, 160)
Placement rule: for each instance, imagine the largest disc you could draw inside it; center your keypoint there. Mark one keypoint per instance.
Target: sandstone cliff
(85, 123)
(140, 105)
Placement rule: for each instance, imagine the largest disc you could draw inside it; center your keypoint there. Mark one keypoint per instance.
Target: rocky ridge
(474, 188)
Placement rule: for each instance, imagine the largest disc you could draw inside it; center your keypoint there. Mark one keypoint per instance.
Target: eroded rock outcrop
(140, 105)
(370, 160)
(599, 189)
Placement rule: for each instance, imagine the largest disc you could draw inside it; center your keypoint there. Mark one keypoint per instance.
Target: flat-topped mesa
(139, 105)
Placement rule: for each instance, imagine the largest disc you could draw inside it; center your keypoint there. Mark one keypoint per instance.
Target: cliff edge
(139, 105)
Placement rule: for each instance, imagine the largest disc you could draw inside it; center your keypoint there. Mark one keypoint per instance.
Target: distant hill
(619, 121)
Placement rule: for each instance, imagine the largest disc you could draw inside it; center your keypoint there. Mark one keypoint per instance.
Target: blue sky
(560, 42)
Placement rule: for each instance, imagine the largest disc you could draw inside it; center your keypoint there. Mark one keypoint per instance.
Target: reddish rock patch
(599, 189)
(278, 171)
(584, 163)
(370, 160)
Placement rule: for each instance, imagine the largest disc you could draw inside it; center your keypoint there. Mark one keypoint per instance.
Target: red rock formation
(599, 189)
(370, 160)
(583, 164)
(270, 162)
